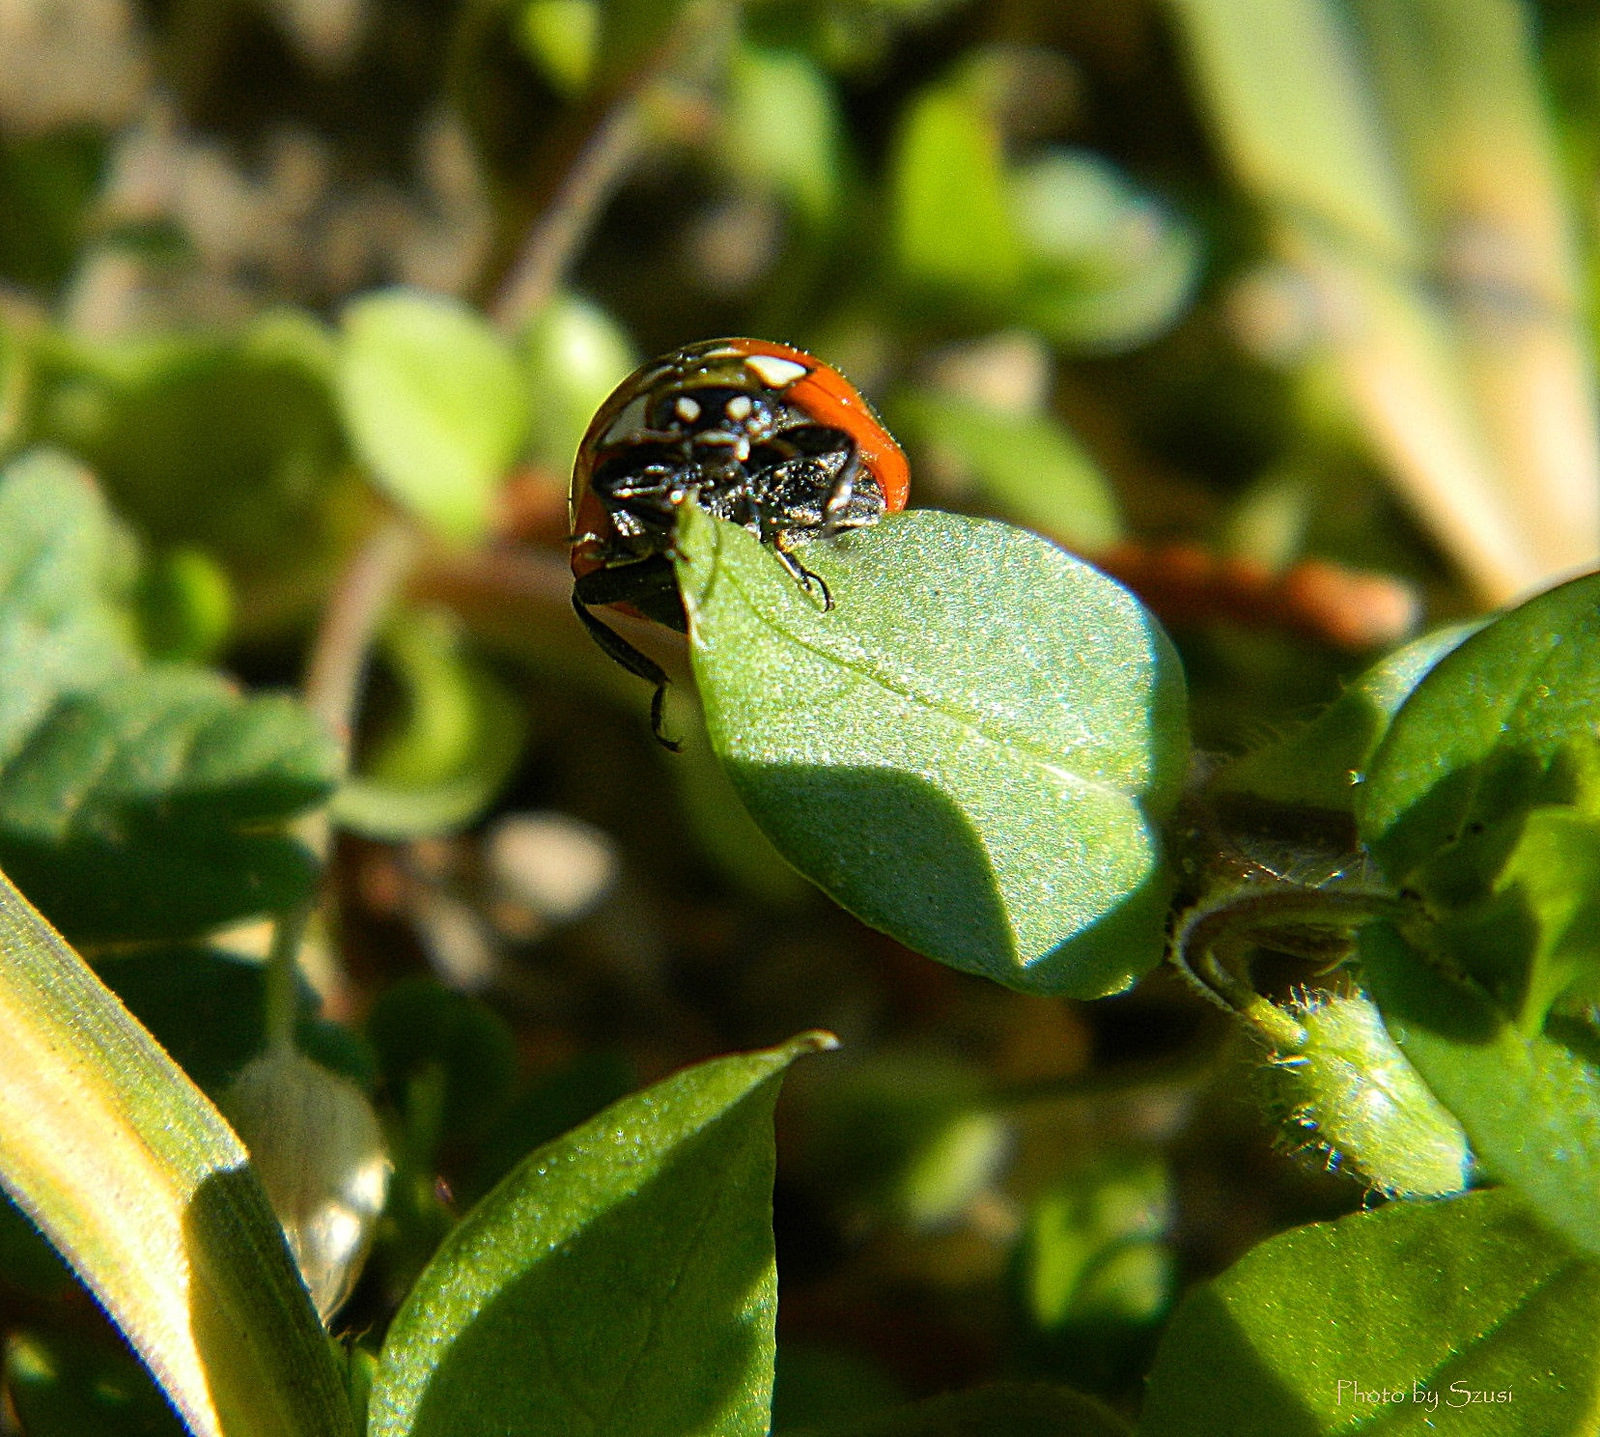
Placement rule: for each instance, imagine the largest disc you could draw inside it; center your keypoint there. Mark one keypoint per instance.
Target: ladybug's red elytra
(759, 433)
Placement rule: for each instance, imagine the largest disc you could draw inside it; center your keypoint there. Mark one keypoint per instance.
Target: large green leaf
(1505, 723)
(1530, 1104)
(433, 402)
(134, 803)
(1501, 725)
(969, 750)
(154, 807)
(131, 1173)
(1385, 1322)
(619, 1281)
(1321, 763)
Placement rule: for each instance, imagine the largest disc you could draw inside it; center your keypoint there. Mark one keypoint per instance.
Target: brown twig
(611, 151)
(358, 605)
(343, 644)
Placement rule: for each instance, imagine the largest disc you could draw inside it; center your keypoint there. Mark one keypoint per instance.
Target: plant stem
(355, 612)
(332, 691)
(1215, 940)
(282, 970)
(611, 151)
(553, 242)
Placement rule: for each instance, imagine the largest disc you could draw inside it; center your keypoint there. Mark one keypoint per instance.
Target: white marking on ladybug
(629, 423)
(741, 450)
(774, 371)
(688, 409)
(739, 407)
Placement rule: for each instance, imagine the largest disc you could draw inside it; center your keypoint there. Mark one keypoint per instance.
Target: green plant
(320, 1191)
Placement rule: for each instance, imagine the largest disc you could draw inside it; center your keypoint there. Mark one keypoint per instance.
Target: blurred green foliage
(1303, 287)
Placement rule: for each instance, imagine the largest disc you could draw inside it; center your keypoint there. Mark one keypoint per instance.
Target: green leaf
(620, 1280)
(574, 354)
(132, 1174)
(1505, 723)
(782, 129)
(1536, 935)
(61, 565)
(1105, 267)
(1424, 1302)
(1529, 1104)
(1015, 1409)
(953, 230)
(970, 750)
(1553, 879)
(433, 403)
(154, 807)
(1028, 464)
(133, 803)
(226, 443)
(459, 741)
(1321, 763)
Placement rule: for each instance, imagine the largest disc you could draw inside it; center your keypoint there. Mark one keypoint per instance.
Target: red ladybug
(760, 433)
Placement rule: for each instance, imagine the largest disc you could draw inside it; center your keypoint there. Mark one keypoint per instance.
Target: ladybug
(759, 433)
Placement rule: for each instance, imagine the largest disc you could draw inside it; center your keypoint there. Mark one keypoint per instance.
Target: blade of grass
(134, 1176)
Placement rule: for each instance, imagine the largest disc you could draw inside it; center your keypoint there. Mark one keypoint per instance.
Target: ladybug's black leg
(841, 491)
(803, 576)
(619, 649)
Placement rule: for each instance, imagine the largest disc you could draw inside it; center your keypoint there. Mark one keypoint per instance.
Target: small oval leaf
(433, 402)
(969, 750)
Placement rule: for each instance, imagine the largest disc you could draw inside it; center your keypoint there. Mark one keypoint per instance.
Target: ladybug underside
(730, 428)
(751, 459)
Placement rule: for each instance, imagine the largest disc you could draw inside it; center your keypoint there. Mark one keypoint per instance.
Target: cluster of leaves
(982, 749)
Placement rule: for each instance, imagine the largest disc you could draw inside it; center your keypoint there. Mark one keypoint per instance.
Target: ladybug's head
(715, 415)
